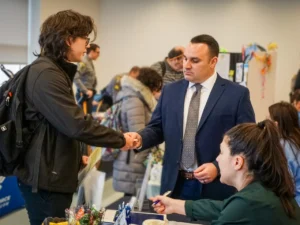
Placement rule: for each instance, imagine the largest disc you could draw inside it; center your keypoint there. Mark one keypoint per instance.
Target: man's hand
(89, 93)
(133, 141)
(206, 173)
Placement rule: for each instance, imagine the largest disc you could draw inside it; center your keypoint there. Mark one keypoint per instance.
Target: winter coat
(49, 98)
(137, 106)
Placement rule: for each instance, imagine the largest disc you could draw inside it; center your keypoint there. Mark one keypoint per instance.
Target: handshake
(133, 141)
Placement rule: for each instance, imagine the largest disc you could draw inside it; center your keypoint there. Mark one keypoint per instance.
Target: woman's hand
(164, 206)
(168, 205)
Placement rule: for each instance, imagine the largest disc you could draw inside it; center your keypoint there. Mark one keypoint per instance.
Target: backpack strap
(163, 68)
(18, 105)
(19, 129)
(38, 154)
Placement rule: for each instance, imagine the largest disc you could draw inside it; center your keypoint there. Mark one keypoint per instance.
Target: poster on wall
(223, 65)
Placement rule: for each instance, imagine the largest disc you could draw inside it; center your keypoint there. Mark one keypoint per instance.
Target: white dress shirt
(207, 86)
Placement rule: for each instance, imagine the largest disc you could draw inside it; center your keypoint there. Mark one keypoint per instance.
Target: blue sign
(10, 195)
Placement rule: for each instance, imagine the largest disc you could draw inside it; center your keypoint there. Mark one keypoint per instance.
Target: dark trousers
(187, 189)
(44, 204)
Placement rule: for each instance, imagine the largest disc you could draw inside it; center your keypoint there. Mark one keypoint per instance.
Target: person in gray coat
(85, 78)
(138, 103)
(171, 67)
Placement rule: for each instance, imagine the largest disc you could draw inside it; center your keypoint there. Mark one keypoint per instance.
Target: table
(174, 219)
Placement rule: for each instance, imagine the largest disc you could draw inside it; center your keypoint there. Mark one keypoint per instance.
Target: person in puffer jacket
(138, 98)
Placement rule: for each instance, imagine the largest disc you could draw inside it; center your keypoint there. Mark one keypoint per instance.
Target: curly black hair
(150, 78)
(58, 27)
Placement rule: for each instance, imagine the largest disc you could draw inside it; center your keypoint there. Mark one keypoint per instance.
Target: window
(11, 68)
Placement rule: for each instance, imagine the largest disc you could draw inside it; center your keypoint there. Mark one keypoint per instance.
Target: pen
(165, 194)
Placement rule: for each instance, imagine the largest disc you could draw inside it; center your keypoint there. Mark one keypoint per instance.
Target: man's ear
(213, 62)
(69, 41)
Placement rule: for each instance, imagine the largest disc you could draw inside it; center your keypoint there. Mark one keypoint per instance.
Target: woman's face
(77, 48)
(229, 165)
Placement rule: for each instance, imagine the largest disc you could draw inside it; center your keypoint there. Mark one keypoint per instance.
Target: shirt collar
(209, 83)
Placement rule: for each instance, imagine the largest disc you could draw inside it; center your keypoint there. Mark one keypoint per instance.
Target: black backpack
(11, 115)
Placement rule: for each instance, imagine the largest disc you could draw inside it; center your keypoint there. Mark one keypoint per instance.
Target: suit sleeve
(153, 133)
(53, 99)
(245, 112)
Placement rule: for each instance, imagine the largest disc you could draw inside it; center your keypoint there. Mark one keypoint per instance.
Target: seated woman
(252, 160)
(286, 118)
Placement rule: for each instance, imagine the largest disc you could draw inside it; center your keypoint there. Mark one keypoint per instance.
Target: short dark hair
(92, 47)
(175, 52)
(58, 27)
(209, 41)
(150, 78)
(296, 96)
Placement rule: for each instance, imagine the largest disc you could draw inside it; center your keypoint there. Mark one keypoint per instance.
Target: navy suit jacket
(228, 105)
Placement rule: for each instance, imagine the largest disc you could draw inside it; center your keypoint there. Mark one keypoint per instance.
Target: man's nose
(187, 65)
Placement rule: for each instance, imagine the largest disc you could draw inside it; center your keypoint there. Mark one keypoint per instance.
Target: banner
(10, 195)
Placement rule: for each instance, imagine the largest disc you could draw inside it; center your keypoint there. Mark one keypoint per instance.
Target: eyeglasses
(87, 41)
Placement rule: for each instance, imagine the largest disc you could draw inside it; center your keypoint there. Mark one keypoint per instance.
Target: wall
(141, 32)
(13, 29)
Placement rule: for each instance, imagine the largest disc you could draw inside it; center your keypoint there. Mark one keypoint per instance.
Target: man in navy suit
(192, 116)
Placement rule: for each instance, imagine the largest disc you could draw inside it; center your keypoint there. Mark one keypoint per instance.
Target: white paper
(223, 65)
(121, 218)
(142, 193)
(94, 157)
(239, 72)
(93, 188)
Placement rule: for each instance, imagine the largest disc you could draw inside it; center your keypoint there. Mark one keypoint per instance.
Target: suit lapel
(181, 96)
(213, 98)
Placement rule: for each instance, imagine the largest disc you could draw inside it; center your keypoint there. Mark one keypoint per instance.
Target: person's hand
(134, 141)
(89, 93)
(137, 139)
(206, 173)
(164, 206)
(85, 160)
(131, 141)
(94, 103)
